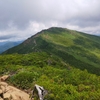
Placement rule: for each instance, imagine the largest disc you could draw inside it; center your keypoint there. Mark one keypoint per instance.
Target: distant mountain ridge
(6, 45)
(75, 48)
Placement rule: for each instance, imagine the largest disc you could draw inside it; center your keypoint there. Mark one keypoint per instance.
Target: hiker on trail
(38, 91)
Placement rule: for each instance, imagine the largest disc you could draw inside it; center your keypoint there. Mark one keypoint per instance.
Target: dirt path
(8, 92)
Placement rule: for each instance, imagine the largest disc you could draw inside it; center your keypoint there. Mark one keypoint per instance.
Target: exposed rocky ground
(8, 92)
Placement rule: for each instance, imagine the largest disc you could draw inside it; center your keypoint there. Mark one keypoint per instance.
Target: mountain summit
(78, 49)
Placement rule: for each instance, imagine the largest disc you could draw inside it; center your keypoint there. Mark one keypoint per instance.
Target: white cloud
(23, 18)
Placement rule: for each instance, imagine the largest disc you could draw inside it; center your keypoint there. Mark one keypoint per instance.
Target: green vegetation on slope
(76, 48)
(62, 81)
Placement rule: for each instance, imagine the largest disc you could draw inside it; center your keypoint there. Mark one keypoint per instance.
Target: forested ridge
(65, 62)
(79, 49)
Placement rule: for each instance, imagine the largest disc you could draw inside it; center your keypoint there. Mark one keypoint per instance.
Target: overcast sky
(20, 19)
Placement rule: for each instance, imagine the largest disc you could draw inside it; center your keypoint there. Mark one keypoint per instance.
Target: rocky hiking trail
(8, 92)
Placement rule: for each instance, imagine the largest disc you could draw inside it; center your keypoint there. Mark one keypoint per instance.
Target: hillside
(63, 82)
(75, 48)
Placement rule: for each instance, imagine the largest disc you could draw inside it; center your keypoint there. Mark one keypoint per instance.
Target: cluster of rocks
(8, 92)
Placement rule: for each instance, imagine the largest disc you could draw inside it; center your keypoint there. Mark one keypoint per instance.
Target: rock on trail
(8, 92)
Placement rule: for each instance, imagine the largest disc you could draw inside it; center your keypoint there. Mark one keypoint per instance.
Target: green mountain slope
(63, 82)
(75, 48)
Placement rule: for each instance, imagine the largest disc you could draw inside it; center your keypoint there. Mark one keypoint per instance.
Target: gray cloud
(6, 37)
(25, 18)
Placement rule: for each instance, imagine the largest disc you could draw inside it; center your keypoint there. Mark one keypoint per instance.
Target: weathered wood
(39, 91)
